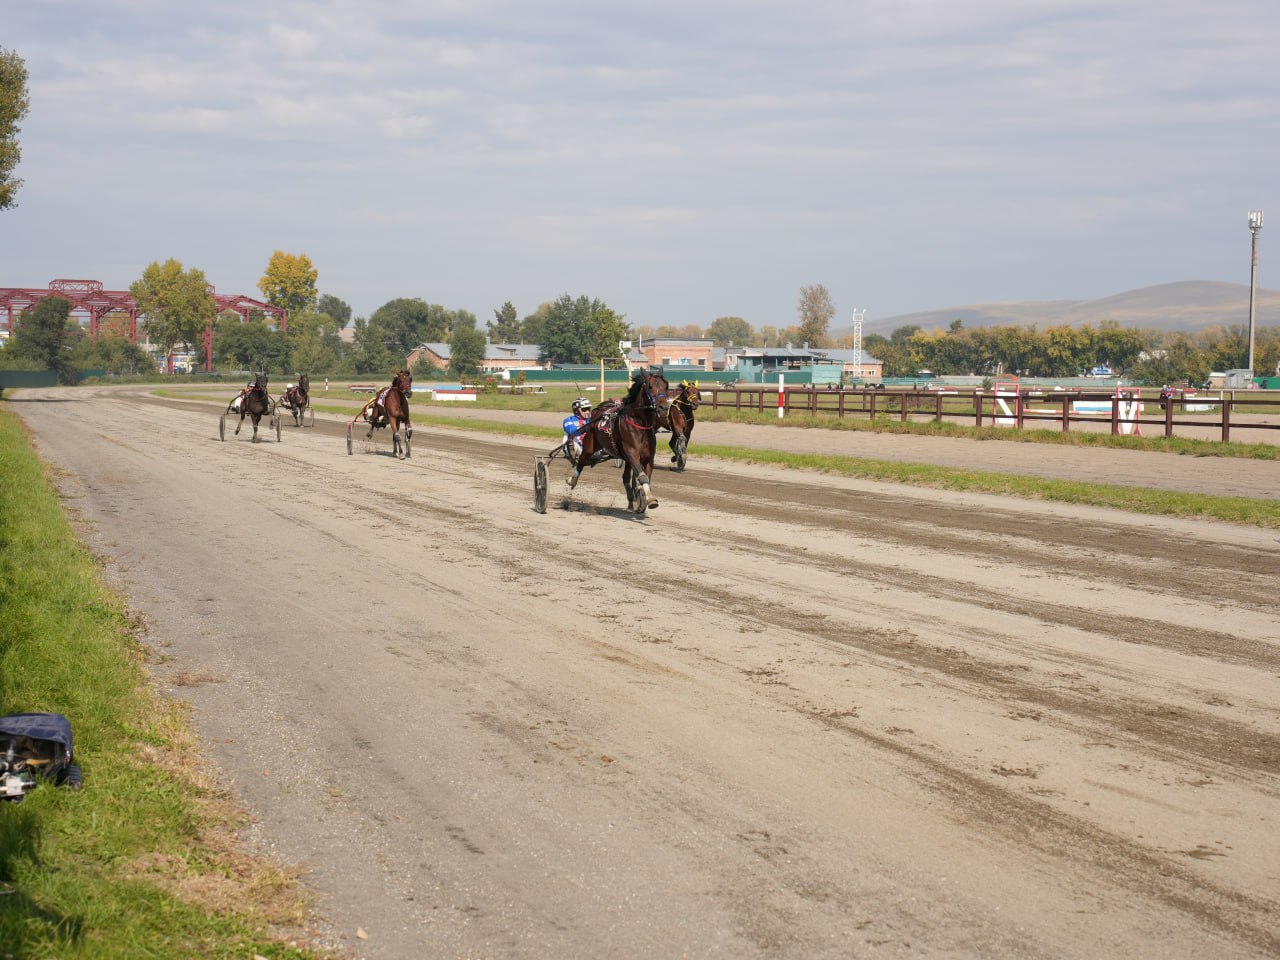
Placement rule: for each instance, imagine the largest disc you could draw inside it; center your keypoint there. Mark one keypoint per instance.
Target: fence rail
(1021, 409)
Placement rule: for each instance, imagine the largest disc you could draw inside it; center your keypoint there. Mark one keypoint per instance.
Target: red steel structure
(88, 297)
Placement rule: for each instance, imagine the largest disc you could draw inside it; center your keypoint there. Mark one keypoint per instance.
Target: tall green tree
(402, 325)
(290, 281)
(466, 351)
(45, 336)
(14, 103)
(339, 311)
(534, 325)
(816, 312)
(582, 331)
(250, 345)
(505, 326)
(176, 303)
(730, 331)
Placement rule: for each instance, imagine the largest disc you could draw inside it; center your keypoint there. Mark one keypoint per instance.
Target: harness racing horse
(391, 408)
(256, 403)
(297, 398)
(679, 420)
(627, 430)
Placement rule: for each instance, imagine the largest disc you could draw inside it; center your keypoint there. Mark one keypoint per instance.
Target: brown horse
(297, 398)
(254, 403)
(679, 420)
(391, 408)
(627, 430)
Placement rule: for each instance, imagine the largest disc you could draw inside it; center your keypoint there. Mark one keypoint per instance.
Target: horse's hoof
(653, 504)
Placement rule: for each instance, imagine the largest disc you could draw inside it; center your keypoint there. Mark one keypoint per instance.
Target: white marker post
(782, 396)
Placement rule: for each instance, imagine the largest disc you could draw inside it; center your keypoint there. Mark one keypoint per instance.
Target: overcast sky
(678, 160)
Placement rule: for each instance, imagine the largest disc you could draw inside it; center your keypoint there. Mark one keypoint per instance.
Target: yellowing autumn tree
(290, 281)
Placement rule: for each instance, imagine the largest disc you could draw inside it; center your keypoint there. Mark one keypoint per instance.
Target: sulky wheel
(275, 422)
(310, 417)
(222, 427)
(540, 486)
(348, 440)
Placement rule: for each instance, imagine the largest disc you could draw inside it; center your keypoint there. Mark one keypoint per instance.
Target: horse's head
(260, 383)
(304, 383)
(404, 382)
(689, 395)
(655, 391)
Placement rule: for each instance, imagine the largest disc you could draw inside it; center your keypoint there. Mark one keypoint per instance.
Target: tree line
(175, 304)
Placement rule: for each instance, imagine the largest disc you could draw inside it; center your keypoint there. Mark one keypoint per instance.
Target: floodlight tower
(1255, 227)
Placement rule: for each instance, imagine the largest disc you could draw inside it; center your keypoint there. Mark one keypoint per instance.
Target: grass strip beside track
(1147, 500)
(141, 862)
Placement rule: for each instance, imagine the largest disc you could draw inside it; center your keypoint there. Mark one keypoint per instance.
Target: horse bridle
(652, 399)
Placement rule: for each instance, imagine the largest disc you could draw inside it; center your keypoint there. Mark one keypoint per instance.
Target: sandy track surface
(785, 715)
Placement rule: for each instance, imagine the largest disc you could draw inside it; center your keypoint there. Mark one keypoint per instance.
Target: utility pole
(857, 337)
(1255, 227)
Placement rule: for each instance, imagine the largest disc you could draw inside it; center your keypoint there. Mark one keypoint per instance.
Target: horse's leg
(644, 473)
(241, 422)
(398, 439)
(590, 443)
(255, 418)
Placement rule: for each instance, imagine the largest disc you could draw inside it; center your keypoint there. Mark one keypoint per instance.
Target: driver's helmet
(582, 405)
(288, 386)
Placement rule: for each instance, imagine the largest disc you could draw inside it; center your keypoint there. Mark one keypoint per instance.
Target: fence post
(1168, 416)
(1227, 400)
(937, 418)
(977, 408)
(1066, 414)
(1115, 416)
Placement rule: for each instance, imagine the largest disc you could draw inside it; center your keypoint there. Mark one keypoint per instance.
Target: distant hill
(1187, 306)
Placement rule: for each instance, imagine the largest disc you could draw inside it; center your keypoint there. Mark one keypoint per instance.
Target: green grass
(141, 863)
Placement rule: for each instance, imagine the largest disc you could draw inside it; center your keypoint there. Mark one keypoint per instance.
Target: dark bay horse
(627, 430)
(391, 408)
(679, 419)
(297, 398)
(255, 403)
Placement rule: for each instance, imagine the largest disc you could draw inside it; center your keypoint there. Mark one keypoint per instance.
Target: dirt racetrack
(785, 715)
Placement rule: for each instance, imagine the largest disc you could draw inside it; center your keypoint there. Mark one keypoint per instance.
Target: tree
(505, 326)
(44, 336)
(535, 324)
(815, 310)
(730, 331)
(466, 351)
(581, 331)
(290, 281)
(336, 310)
(176, 302)
(114, 353)
(250, 345)
(14, 103)
(402, 325)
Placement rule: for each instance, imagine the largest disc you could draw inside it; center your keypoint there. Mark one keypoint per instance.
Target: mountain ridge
(1182, 306)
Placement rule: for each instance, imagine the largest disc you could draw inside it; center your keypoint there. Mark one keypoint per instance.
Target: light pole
(1255, 227)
